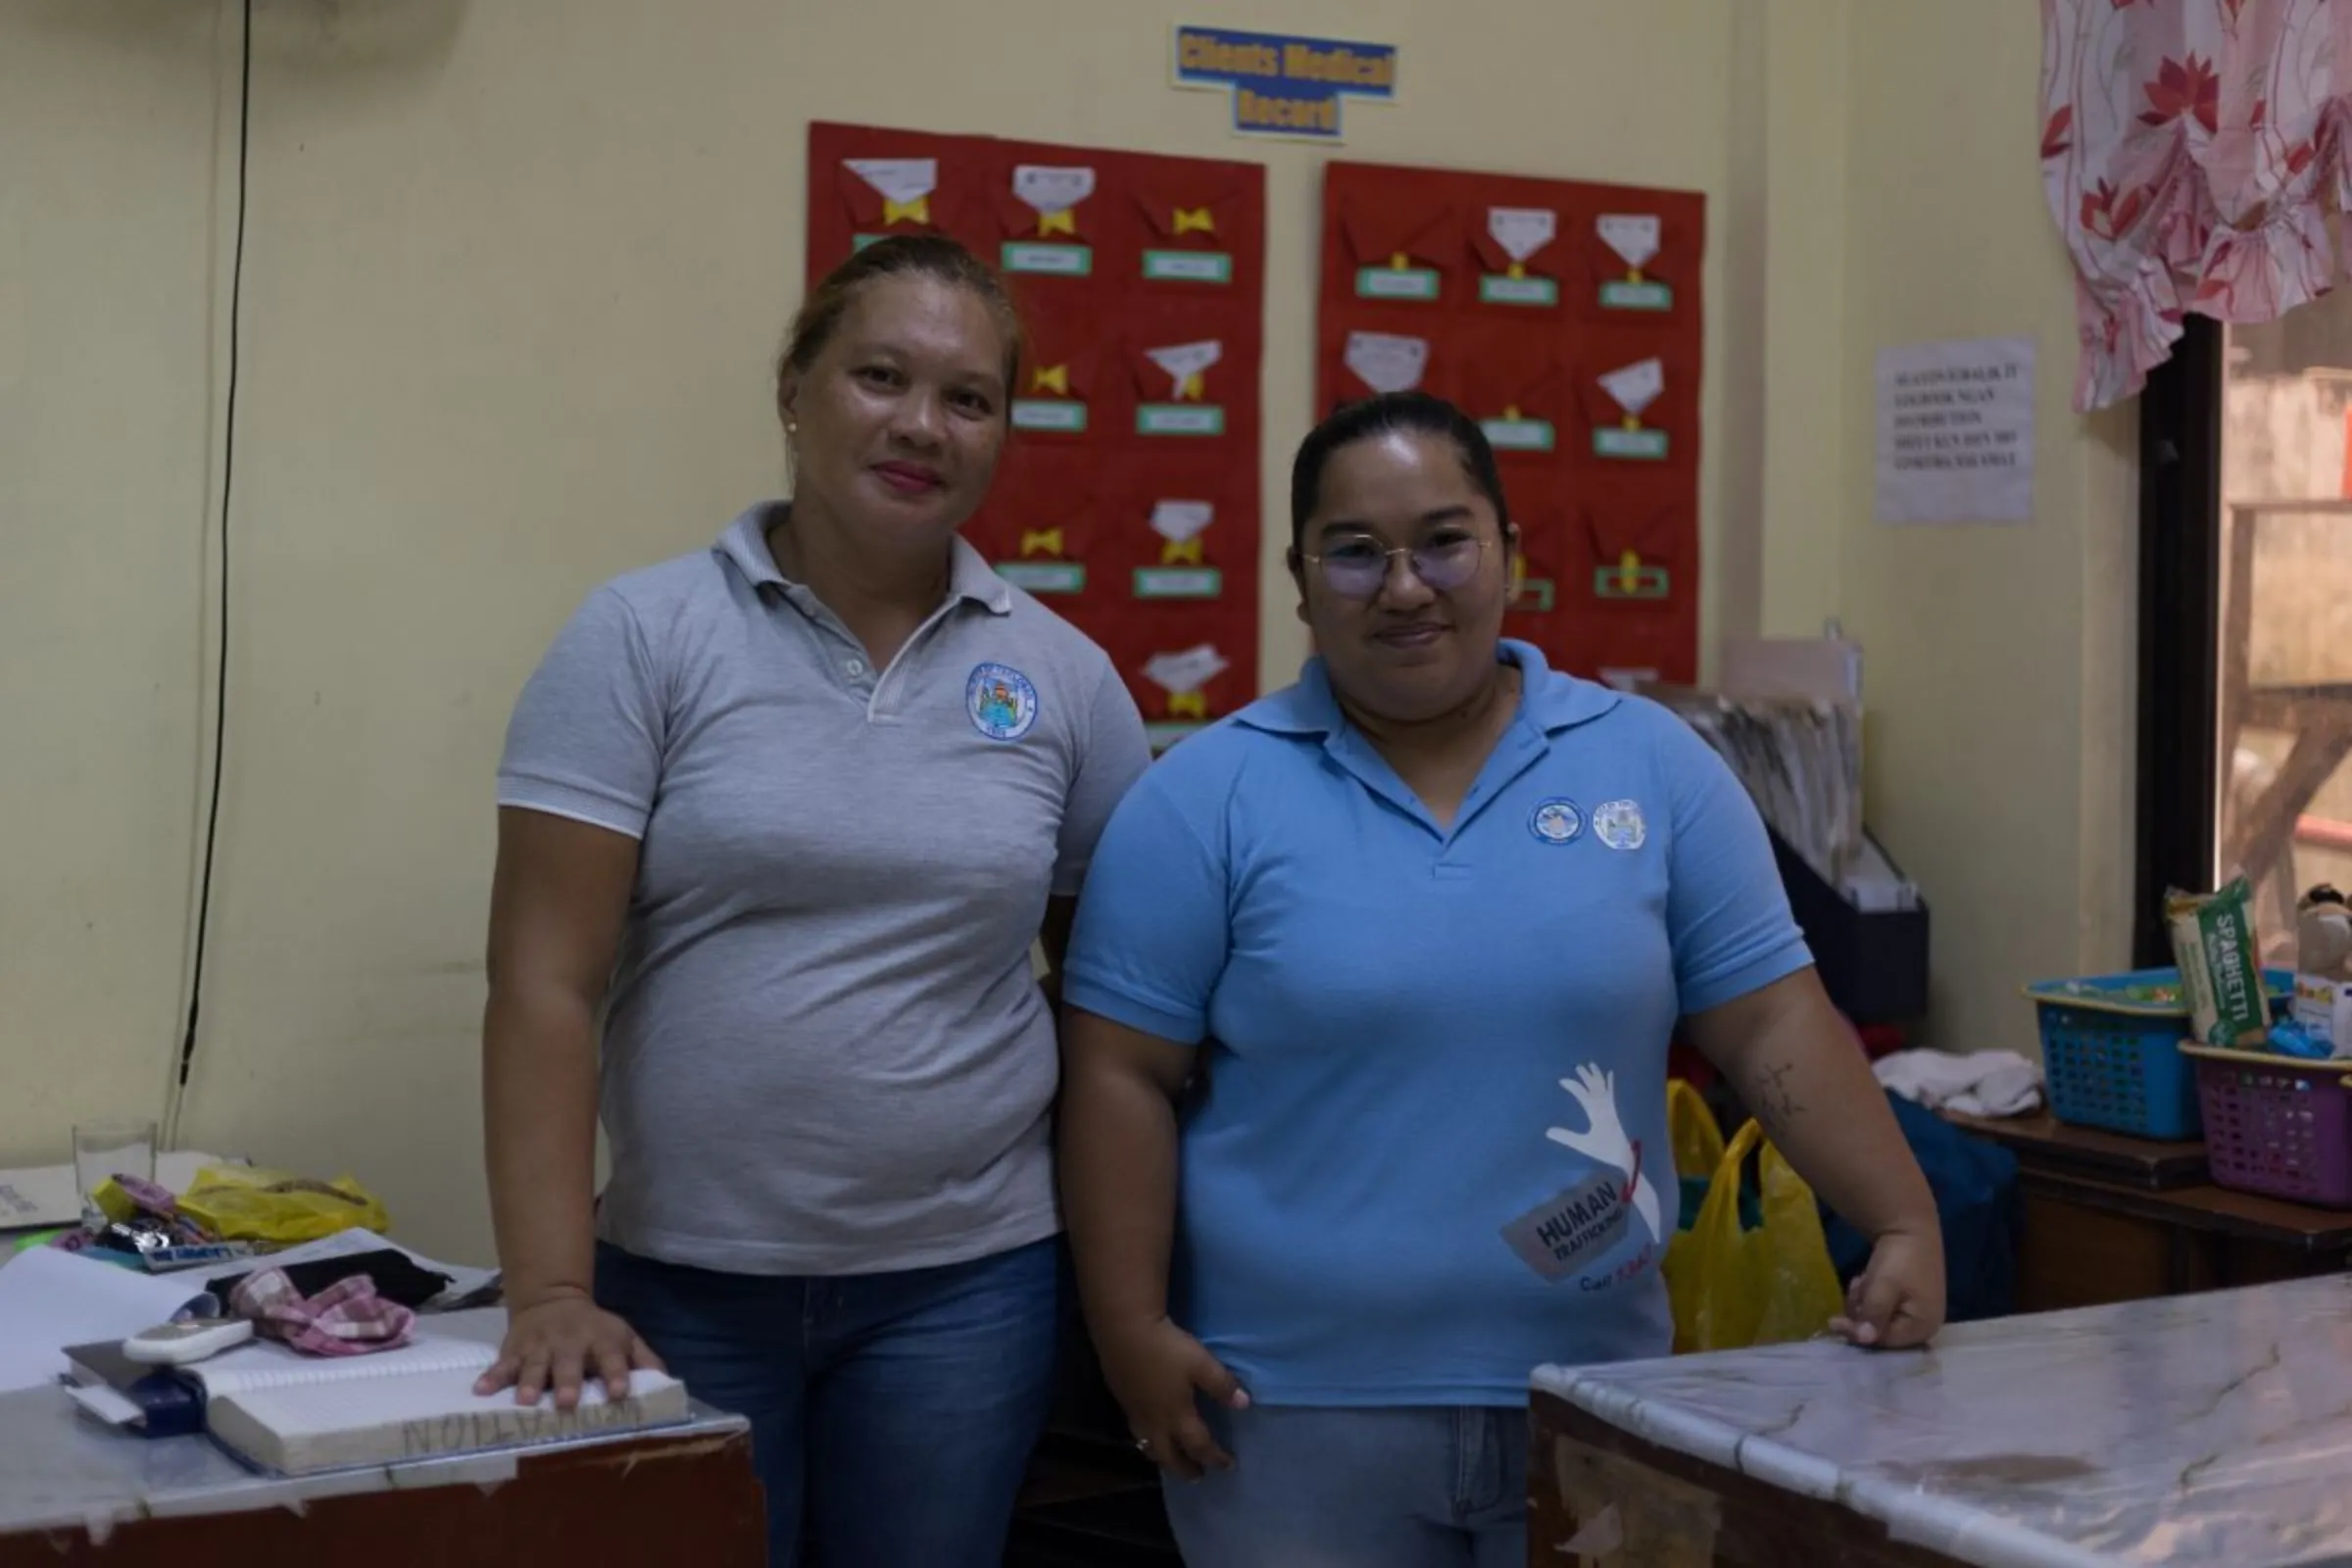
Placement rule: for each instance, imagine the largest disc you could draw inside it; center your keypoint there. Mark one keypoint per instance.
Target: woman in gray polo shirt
(788, 813)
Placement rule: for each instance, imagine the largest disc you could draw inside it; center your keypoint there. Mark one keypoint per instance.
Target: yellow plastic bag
(1733, 1288)
(237, 1202)
(1690, 1129)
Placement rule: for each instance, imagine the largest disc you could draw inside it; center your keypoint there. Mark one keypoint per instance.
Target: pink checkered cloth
(347, 1318)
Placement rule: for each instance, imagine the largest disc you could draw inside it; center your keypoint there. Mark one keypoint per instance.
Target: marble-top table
(2204, 1431)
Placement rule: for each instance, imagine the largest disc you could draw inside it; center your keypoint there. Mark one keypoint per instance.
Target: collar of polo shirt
(745, 544)
(1311, 708)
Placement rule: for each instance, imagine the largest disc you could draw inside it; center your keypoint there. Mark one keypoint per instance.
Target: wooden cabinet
(1599, 1497)
(2107, 1218)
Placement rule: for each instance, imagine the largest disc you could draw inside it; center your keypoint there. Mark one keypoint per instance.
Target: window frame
(2179, 630)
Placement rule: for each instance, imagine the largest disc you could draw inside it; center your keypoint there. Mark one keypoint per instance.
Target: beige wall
(108, 247)
(1999, 660)
(514, 271)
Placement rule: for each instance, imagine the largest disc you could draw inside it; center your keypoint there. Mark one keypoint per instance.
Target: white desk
(67, 1484)
(2205, 1432)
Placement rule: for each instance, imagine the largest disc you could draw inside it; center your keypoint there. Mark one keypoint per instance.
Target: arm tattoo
(1775, 1104)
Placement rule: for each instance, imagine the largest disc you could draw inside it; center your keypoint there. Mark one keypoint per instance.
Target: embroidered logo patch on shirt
(1001, 702)
(1619, 824)
(1555, 822)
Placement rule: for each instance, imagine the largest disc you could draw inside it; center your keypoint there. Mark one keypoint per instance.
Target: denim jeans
(891, 1414)
(1430, 1487)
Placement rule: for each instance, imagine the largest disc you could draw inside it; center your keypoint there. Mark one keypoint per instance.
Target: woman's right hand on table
(1159, 1374)
(556, 1344)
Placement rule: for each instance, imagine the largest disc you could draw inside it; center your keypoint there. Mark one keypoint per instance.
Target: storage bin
(2277, 1125)
(2111, 1051)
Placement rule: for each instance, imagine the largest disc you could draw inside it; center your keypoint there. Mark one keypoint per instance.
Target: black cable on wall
(228, 474)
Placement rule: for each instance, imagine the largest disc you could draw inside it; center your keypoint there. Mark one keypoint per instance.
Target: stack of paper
(1802, 761)
(283, 1411)
(298, 1414)
(1827, 666)
(51, 1299)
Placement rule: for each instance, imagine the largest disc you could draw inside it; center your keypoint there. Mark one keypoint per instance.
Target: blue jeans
(1389, 1488)
(891, 1414)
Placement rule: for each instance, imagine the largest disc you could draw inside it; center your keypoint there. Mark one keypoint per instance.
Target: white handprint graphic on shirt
(1603, 1140)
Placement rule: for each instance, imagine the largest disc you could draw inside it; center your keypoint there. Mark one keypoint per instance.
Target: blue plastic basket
(2112, 1055)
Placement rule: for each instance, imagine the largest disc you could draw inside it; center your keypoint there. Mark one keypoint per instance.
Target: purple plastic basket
(2277, 1126)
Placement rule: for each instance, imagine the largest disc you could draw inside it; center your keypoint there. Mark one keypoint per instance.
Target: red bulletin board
(1128, 498)
(1565, 318)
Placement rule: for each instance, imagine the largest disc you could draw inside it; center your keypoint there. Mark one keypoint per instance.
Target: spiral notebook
(297, 1414)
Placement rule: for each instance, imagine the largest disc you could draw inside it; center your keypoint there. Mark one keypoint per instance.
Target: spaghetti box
(1872, 963)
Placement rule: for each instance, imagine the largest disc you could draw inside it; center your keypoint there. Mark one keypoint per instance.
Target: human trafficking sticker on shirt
(1572, 1229)
(1569, 1234)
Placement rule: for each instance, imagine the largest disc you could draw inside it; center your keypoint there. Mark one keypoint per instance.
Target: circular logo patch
(1619, 825)
(1001, 702)
(1556, 821)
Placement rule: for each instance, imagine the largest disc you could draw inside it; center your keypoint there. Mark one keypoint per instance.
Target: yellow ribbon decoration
(1510, 414)
(1516, 273)
(1633, 422)
(1628, 572)
(1041, 542)
(1518, 573)
(1195, 221)
(918, 211)
(1191, 388)
(1633, 274)
(1177, 551)
(1054, 378)
(1064, 222)
(1399, 262)
(1187, 705)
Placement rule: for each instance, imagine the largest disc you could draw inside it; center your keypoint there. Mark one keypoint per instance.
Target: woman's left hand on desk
(1896, 1302)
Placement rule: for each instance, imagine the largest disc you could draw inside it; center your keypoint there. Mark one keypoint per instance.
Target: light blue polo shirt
(1432, 1154)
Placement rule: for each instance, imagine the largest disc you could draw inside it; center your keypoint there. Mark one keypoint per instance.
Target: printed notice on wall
(1956, 431)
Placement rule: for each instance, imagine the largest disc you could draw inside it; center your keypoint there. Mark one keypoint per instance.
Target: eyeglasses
(1357, 565)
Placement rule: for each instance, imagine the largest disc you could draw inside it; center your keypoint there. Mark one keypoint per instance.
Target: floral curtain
(2192, 152)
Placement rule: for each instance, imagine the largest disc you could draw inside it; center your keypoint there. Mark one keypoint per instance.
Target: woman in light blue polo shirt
(1417, 931)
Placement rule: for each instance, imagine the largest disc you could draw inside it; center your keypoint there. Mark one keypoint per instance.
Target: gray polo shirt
(824, 1051)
